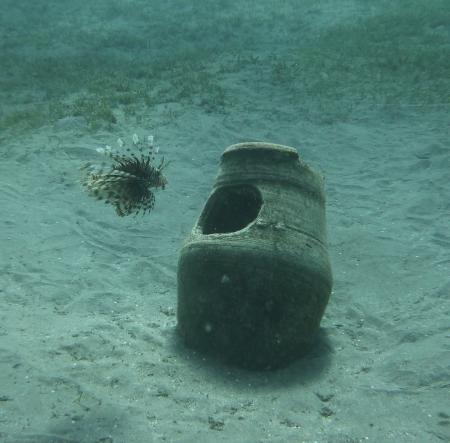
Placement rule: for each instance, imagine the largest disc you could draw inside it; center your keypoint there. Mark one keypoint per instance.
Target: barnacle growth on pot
(128, 183)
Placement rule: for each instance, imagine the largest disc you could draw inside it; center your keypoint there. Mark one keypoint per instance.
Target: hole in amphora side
(230, 209)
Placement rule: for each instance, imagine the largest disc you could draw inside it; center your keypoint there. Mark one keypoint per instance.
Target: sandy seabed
(88, 347)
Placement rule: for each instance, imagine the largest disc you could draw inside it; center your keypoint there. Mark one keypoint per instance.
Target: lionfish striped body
(129, 182)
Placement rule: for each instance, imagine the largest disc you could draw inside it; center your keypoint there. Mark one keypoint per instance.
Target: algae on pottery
(254, 275)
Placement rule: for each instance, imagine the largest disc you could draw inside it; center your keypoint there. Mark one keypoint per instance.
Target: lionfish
(129, 182)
